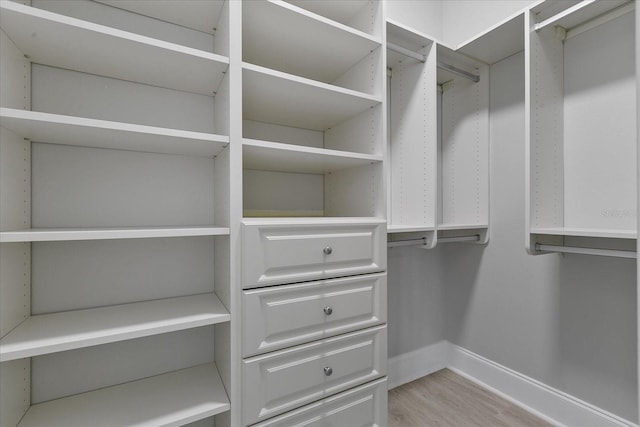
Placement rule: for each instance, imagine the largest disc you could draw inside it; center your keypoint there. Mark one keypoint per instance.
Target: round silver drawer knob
(328, 371)
(327, 250)
(328, 310)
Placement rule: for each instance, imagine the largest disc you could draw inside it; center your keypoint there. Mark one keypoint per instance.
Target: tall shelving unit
(581, 191)
(438, 142)
(114, 212)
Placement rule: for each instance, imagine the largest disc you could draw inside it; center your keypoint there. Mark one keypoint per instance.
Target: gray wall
(566, 320)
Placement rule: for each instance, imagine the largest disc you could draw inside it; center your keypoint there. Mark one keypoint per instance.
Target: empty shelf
(69, 130)
(281, 36)
(50, 333)
(396, 228)
(498, 42)
(445, 227)
(585, 232)
(171, 399)
(61, 234)
(273, 156)
(60, 41)
(274, 97)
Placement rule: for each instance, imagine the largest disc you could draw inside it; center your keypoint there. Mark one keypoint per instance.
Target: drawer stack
(314, 321)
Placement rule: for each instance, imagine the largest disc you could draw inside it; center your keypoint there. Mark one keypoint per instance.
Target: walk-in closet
(269, 213)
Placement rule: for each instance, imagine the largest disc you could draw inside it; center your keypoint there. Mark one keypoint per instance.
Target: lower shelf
(171, 399)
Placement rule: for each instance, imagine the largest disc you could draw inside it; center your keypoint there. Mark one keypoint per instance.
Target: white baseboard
(416, 364)
(548, 403)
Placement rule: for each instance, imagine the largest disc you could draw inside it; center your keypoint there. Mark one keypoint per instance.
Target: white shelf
(69, 130)
(274, 156)
(498, 42)
(66, 234)
(585, 232)
(60, 41)
(341, 11)
(50, 333)
(274, 97)
(199, 15)
(393, 228)
(171, 399)
(446, 227)
(570, 15)
(281, 36)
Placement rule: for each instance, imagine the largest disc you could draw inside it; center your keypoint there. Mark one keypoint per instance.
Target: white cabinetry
(114, 217)
(581, 128)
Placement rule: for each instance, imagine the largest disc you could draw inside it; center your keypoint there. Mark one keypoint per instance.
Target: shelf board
(274, 97)
(341, 11)
(446, 227)
(50, 333)
(585, 232)
(67, 234)
(171, 399)
(498, 42)
(570, 15)
(274, 156)
(396, 228)
(60, 41)
(200, 15)
(313, 221)
(281, 36)
(69, 130)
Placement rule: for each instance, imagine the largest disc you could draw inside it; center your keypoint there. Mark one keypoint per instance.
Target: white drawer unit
(359, 407)
(276, 251)
(288, 379)
(284, 316)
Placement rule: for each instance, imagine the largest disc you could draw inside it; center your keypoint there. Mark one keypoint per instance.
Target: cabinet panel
(283, 316)
(287, 379)
(276, 253)
(359, 407)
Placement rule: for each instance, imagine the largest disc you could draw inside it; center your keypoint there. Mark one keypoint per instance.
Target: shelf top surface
(69, 130)
(585, 232)
(498, 42)
(105, 233)
(60, 41)
(175, 398)
(273, 97)
(48, 333)
(569, 14)
(280, 36)
(313, 221)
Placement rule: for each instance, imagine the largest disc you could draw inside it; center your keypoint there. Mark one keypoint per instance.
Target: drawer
(288, 379)
(359, 407)
(274, 252)
(284, 316)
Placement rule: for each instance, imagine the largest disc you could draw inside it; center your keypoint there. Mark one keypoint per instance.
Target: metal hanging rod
(407, 52)
(408, 242)
(423, 58)
(474, 238)
(458, 71)
(587, 251)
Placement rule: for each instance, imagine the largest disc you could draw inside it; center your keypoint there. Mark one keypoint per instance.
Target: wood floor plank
(445, 399)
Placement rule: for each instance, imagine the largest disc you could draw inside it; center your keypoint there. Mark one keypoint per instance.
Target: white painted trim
(548, 403)
(416, 364)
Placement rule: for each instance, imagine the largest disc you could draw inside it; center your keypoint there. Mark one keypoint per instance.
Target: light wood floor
(445, 399)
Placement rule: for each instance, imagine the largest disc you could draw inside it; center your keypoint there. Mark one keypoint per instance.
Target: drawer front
(364, 406)
(287, 379)
(284, 316)
(275, 254)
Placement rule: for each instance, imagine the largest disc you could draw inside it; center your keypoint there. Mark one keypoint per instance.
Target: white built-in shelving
(114, 147)
(47, 333)
(581, 126)
(174, 398)
(438, 144)
(312, 94)
(79, 131)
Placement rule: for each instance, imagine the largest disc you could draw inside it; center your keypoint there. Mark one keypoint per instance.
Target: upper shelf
(284, 37)
(274, 97)
(60, 41)
(498, 42)
(403, 228)
(172, 399)
(72, 234)
(570, 15)
(340, 11)
(55, 332)
(274, 156)
(69, 130)
(200, 15)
